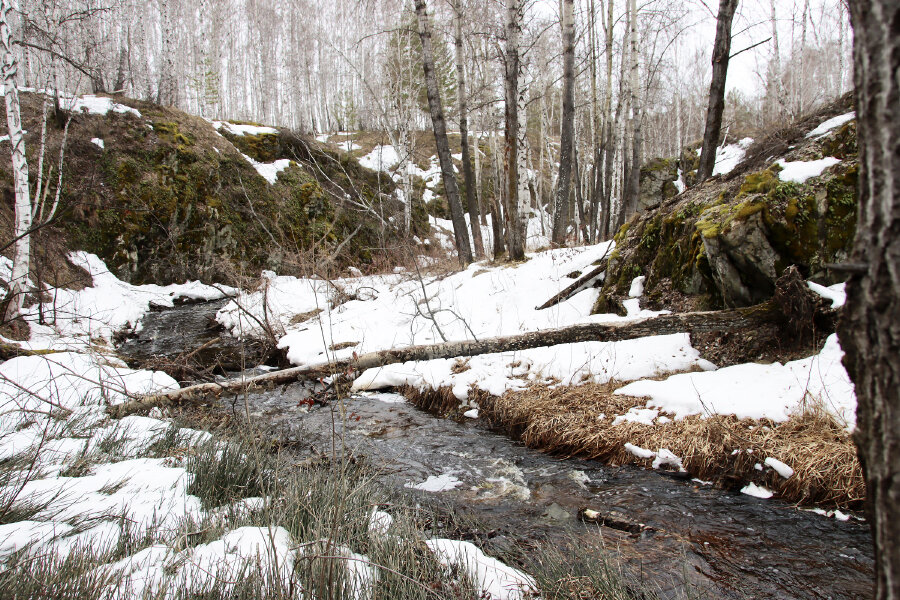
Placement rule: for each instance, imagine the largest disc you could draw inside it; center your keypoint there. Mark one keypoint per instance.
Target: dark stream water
(720, 544)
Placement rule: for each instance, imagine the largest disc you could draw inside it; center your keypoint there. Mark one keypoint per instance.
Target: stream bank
(676, 536)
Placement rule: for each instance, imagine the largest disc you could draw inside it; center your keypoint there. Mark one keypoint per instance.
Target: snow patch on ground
(269, 171)
(98, 105)
(497, 580)
(757, 491)
(98, 142)
(394, 311)
(800, 171)
(565, 364)
(242, 130)
(830, 124)
(730, 156)
(755, 391)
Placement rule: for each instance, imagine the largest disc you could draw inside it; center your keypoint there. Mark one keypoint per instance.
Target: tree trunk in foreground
(566, 141)
(468, 175)
(463, 248)
(870, 327)
(721, 54)
(722, 320)
(22, 257)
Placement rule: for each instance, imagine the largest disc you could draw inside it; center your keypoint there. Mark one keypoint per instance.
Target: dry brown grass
(564, 421)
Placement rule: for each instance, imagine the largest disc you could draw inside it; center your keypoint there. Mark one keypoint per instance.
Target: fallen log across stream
(693, 322)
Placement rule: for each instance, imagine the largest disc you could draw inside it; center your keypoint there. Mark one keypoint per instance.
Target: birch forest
(634, 76)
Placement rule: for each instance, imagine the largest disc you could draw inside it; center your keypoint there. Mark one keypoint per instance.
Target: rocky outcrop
(162, 196)
(726, 242)
(657, 185)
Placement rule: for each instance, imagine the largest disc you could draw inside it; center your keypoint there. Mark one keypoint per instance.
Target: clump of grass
(564, 421)
(224, 472)
(570, 571)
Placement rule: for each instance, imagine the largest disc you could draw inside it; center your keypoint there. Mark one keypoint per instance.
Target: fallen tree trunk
(580, 284)
(695, 322)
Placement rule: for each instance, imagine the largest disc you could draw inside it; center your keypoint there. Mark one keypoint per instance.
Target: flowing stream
(668, 532)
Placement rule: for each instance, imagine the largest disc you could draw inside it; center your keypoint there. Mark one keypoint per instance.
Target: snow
(390, 311)
(496, 580)
(381, 158)
(269, 171)
(471, 414)
(728, 157)
(379, 523)
(639, 452)
(779, 467)
(564, 364)
(349, 146)
(757, 491)
(437, 483)
(109, 306)
(637, 287)
(242, 130)
(666, 458)
(98, 142)
(830, 124)
(800, 171)
(756, 391)
(97, 105)
(644, 416)
(837, 293)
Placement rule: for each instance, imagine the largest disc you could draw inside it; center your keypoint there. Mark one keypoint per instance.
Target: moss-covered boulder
(726, 242)
(166, 197)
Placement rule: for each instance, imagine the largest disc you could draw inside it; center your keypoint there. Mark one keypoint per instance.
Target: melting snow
(730, 156)
(800, 171)
(830, 124)
(758, 391)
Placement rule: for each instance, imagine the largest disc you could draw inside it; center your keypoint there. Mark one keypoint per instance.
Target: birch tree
(22, 257)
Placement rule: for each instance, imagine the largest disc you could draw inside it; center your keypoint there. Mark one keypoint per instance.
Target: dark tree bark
(440, 137)
(515, 234)
(721, 54)
(870, 327)
(468, 175)
(567, 134)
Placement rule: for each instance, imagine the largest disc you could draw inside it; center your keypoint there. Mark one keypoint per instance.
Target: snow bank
(382, 158)
(109, 306)
(800, 171)
(395, 311)
(755, 391)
